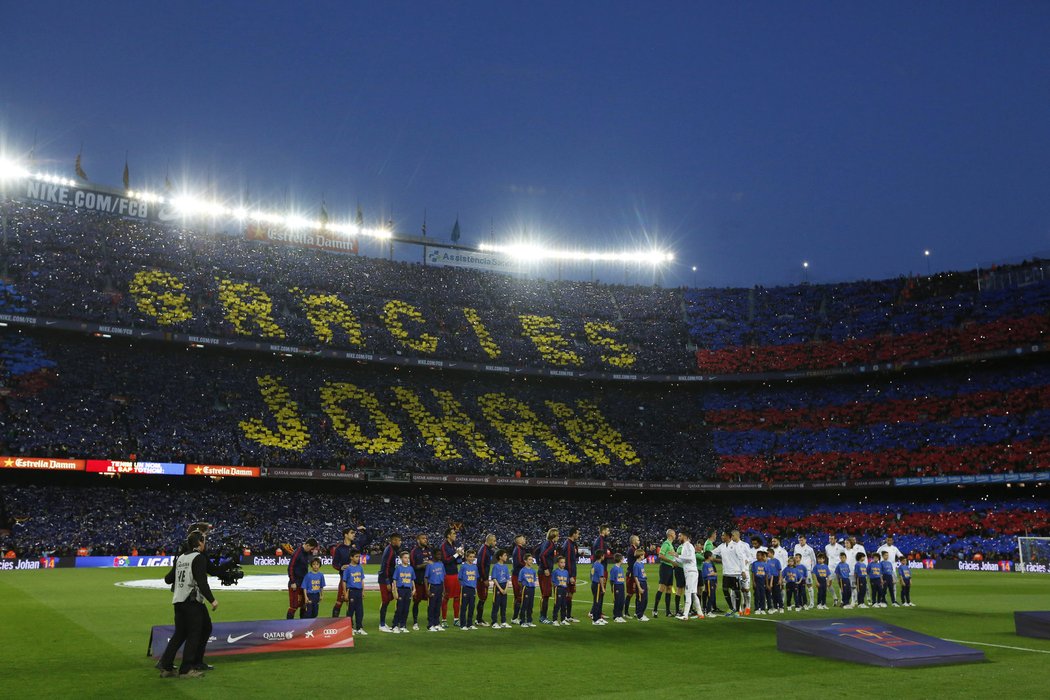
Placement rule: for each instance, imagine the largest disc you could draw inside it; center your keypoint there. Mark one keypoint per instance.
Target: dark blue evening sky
(745, 136)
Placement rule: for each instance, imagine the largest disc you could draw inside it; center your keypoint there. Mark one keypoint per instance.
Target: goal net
(1034, 554)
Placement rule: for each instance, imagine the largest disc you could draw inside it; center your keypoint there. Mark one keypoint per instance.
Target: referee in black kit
(189, 581)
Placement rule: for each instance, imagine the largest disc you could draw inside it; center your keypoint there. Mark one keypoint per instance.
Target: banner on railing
(263, 636)
(109, 466)
(45, 463)
(221, 470)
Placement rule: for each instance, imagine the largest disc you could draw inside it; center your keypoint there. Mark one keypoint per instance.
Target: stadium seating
(937, 529)
(110, 399)
(829, 326)
(60, 263)
(61, 520)
(68, 264)
(72, 396)
(969, 420)
(67, 395)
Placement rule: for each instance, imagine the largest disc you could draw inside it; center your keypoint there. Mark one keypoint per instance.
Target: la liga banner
(264, 636)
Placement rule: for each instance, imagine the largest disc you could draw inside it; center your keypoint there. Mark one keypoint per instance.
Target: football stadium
(255, 445)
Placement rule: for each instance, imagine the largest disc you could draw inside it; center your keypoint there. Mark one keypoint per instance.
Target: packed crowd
(834, 313)
(68, 396)
(108, 399)
(66, 263)
(62, 263)
(953, 528)
(111, 520)
(969, 420)
(827, 326)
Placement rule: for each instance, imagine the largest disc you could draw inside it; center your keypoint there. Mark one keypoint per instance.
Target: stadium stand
(59, 520)
(69, 264)
(60, 263)
(73, 396)
(65, 394)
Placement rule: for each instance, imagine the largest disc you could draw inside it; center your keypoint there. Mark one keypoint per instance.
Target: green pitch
(69, 631)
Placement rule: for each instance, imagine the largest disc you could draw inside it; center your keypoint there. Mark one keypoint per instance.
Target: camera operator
(212, 563)
(189, 581)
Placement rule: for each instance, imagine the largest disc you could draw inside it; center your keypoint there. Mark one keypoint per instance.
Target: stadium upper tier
(62, 263)
(67, 395)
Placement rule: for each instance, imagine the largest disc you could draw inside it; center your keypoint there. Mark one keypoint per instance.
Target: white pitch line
(1000, 646)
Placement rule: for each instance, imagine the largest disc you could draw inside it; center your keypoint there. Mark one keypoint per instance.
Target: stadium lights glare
(10, 170)
(189, 205)
(535, 253)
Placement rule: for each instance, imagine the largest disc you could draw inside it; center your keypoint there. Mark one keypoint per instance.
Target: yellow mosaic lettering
(437, 431)
(246, 306)
(394, 312)
(326, 312)
(484, 337)
(594, 330)
(291, 433)
(553, 346)
(519, 424)
(159, 294)
(388, 434)
(592, 433)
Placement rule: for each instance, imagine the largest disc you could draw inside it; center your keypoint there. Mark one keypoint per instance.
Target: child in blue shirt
(760, 581)
(709, 577)
(842, 574)
(878, 595)
(790, 574)
(434, 575)
(500, 581)
(560, 582)
(404, 581)
(776, 601)
(313, 586)
(641, 585)
(802, 576)
(860, 572)
(468, 585)
(354, 578)
(888, 586)
(597, 592)
(821, 577)
(619, 582)
(904, 573)
(527, 578)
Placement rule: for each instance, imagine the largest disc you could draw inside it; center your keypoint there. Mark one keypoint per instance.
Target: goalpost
(1033, 554)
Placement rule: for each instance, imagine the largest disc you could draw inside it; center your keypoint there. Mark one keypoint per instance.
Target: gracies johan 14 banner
(262, 636)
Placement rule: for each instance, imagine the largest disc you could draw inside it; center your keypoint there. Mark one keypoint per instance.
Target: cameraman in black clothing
(189, 581)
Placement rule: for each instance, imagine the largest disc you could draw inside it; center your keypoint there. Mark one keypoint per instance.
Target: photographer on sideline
(189, 581)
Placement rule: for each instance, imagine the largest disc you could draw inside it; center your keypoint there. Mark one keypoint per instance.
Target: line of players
(766, 578)
(769, 580)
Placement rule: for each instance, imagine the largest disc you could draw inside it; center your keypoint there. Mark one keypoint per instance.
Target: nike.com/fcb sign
(262, 636)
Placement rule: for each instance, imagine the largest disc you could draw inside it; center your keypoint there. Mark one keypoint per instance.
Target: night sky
(747, 137)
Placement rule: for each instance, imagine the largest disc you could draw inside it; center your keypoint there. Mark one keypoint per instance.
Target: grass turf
(69, 631)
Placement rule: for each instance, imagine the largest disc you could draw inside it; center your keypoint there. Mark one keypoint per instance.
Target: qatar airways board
(261, 636)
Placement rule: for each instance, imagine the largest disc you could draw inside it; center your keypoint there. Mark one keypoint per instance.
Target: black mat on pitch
(1033, 624)
(865, 640)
